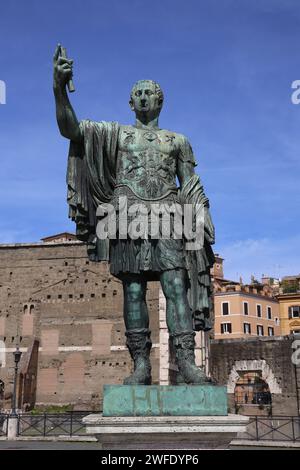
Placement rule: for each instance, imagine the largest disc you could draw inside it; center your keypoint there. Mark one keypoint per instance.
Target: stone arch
(258, 364)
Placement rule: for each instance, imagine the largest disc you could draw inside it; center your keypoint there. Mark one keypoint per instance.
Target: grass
(51, 409)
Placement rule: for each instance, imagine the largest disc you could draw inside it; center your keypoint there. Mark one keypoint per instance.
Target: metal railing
(46, 424)
(273, 428)
(260, 428)
(52, 424)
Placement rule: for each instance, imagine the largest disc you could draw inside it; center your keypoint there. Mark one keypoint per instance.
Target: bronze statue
(141, 161)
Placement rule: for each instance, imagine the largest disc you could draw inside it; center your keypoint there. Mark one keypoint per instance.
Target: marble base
(165, 432)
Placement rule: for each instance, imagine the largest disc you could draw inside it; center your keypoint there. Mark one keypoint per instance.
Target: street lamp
(17, 356)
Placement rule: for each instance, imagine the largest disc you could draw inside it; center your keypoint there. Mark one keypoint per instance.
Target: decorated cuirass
(146, 162)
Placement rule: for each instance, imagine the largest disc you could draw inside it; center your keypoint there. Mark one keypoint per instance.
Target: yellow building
(289, 305)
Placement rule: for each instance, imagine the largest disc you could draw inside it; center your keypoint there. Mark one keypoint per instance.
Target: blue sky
(226, 68)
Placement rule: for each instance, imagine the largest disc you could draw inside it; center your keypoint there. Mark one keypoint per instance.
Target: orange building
(243, 310)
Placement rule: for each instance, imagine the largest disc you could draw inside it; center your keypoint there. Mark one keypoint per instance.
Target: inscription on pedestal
(155, 400)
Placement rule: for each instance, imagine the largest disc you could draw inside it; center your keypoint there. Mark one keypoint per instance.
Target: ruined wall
(53, 293)
(273, 356)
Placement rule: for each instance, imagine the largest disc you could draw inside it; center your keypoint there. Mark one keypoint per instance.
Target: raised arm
(65, 115)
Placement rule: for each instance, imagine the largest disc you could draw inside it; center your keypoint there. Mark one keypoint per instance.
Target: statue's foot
(139, 345)
(138, 377)
(179, 379)
(191, 374)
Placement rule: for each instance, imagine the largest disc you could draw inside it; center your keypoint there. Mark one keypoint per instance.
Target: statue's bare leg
(180, 325)
(179, 316)
(137, 329)
(135, 307)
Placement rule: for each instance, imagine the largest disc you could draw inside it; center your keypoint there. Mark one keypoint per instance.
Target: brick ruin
(272, 358)
(65, 313)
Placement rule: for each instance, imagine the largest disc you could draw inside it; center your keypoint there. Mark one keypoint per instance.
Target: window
(269, 313)
(277, 322)
(260, 330)
(258, 310)
(225, 308)
(295, 332)
(226, 328)
(246, 308)
(294, 311)
(247, 328)
(270, 331)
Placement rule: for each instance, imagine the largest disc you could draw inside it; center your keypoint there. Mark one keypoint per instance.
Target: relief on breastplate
(149, 173)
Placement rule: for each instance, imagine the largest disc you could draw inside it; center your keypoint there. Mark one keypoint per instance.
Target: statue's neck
(147, 123)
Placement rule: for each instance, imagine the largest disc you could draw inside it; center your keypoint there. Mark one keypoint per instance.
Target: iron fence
(52, 424)
(272, 428)
(260, 428)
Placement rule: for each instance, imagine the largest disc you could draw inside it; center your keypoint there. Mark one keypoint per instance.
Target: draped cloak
(91, 177)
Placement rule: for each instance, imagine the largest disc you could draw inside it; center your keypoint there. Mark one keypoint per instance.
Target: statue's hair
(158, 89)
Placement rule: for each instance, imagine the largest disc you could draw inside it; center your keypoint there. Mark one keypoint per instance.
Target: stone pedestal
(165, 417)
(164, 400)
(12, 428)
(165, 432)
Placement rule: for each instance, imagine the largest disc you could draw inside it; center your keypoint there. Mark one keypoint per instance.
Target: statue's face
(145, 99)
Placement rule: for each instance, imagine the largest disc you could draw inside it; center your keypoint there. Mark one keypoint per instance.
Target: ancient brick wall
(74, 307)
(272, 356)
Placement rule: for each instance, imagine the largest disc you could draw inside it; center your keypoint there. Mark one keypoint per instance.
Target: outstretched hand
(62, 68)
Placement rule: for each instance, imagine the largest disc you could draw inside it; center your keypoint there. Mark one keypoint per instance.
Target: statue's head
(146, 98)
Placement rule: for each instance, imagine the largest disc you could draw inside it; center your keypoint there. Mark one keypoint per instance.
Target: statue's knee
(175, 295)
(174, 286)
(177, 289)
(134, 293)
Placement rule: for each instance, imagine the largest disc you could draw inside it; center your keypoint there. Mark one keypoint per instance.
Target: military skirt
(149, 256)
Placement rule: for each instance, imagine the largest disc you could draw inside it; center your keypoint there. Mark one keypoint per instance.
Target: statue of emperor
(143, 163)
